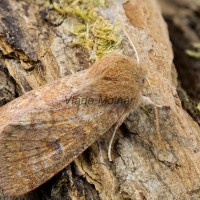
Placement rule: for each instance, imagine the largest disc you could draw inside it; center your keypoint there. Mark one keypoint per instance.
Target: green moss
(198, 107)
(196, 52)
(92, 31)
(191, 106)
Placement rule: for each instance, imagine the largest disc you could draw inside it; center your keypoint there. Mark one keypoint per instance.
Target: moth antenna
(157, 121)
(110, 143)
(134, 48)
(149, 84)
(118, 124)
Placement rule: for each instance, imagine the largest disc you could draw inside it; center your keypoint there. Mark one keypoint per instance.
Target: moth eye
(107, 78)
(143, 80)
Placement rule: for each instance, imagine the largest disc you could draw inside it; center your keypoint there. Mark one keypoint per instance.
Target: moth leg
(147, 101)
(117, 125)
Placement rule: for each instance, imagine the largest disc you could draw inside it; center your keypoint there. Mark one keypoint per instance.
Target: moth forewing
(44, 130)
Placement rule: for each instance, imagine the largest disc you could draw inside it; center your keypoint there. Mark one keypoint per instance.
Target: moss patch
(192, 107)
(196, 52)
(92, 31)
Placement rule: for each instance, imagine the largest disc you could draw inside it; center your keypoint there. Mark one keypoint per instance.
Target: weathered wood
(149, 162)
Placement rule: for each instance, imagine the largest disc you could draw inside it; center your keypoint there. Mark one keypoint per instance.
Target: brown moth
(44, 130)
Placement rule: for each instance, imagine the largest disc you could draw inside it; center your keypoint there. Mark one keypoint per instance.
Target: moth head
(118, 75)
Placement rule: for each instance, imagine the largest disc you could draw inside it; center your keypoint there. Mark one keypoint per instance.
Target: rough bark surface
(152, 159)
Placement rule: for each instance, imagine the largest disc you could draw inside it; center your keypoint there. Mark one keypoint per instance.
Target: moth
(45, 129)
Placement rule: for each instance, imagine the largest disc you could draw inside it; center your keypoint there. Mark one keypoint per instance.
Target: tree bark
(153, 157)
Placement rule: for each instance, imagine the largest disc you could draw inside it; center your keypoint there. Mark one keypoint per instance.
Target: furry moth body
(41, 133)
